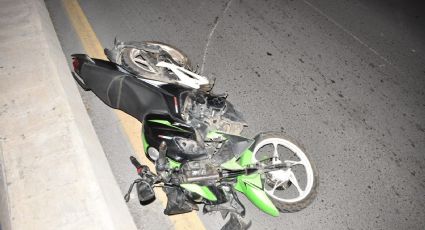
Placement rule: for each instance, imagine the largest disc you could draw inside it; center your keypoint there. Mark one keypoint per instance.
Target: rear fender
(82, 58)
(78, 60)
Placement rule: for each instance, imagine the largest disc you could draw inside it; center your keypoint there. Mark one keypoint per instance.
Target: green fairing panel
(253, 179)
(251, 185)
(260, 199)
(203, 191)
(246, 158)
(232, 164)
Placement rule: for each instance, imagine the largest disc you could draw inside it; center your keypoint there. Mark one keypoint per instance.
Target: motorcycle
(193, 137)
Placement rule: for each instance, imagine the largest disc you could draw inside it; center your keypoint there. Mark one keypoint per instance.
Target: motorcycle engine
(200, 169)
(207, 112)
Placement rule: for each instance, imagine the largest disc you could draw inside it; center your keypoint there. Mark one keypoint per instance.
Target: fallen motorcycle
(193, 137)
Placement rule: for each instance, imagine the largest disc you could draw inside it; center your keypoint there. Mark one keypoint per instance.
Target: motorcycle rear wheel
(143, 62)
(281, 181)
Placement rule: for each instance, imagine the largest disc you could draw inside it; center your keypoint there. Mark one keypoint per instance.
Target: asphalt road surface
(344, 78)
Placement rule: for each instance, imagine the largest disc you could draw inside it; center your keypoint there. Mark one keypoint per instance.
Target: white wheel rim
(179, 58)
(140, 62)
(282, 176)
(174, 53)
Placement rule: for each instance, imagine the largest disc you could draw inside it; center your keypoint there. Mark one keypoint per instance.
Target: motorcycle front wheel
(291, 189)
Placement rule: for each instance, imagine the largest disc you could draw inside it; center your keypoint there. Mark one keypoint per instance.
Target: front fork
(252, 185)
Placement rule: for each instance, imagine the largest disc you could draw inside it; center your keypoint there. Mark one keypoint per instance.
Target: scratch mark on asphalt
(351, 34)
(216, 21)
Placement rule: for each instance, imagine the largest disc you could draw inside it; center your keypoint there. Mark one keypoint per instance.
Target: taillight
(76, 65)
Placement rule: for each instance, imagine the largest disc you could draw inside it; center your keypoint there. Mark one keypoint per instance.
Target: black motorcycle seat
(123, 91)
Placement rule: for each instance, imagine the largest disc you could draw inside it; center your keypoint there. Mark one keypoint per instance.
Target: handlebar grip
(135, 162)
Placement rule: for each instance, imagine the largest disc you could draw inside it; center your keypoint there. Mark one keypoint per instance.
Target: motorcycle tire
(281, 205)
(143, 62)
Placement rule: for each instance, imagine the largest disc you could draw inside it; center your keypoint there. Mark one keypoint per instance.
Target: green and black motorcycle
(193, 137)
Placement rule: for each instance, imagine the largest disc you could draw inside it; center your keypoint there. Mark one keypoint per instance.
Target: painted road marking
(131, 127)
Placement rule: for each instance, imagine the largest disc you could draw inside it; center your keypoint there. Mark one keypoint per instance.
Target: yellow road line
(132, 127)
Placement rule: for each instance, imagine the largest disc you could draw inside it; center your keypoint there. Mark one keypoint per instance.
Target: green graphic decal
(167, 123)
(145, 143)
(173, 164)
(164, 122)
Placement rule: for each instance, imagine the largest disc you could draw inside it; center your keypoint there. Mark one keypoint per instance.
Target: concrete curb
(56, 175)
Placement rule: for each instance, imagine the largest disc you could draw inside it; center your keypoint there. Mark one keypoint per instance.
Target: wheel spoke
(294, 181)
(276, 185)
(140, 60)
(275, 153)
(292, 163)
(275, 159)
(142, 63)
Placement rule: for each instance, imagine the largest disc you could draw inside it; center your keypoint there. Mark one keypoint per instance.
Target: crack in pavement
(216, 21)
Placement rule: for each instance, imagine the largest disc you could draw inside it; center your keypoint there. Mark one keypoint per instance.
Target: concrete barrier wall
(4, 199)
(56, 175)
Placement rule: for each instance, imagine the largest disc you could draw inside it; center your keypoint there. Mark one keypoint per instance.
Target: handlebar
(135, 162)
